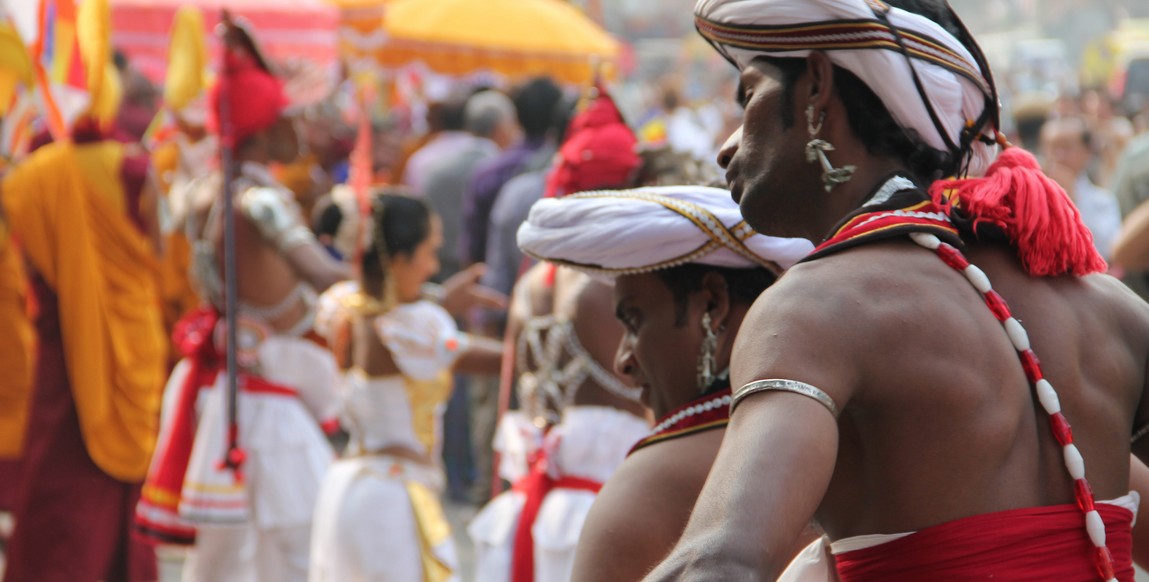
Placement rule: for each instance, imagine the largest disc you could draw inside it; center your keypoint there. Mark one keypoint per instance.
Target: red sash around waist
(157, 515)
(535, 486)
(1036, 543)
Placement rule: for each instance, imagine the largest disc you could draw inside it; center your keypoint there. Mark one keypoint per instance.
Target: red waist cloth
(157, 517)
(535, 486)
(1036, 543)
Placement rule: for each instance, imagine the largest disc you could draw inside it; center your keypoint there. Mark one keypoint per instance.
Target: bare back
(940, 421)
(266, 275)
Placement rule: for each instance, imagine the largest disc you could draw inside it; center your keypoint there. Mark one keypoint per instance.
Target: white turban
(618, 232)
(856, 39)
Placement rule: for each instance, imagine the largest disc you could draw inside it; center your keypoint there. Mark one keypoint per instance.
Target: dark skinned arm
(482, 357)
(780, 448)
(316, 266)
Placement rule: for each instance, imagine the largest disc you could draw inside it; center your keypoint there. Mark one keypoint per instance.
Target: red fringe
(1032, 210)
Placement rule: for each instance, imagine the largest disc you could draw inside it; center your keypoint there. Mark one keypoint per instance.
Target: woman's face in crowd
(413, 270)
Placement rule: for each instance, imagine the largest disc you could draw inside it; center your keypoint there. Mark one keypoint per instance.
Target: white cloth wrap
(365, 528)
(615, 232)
(954, 98)
(591, 443)
(287, 452)
(422, 338)
(377, 411)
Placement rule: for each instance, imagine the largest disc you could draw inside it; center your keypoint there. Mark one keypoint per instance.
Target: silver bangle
(785, 386)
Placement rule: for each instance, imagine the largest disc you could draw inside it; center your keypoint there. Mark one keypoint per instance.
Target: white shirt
(1099, 211)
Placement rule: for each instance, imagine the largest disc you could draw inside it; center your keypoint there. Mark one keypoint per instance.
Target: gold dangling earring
(706, 363)
(816, 152)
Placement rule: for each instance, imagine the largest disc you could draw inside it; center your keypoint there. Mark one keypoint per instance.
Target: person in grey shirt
(1131, 187)
(489, 118)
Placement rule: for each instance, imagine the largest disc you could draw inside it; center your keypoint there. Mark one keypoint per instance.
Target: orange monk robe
(66, 206)
(17, 349)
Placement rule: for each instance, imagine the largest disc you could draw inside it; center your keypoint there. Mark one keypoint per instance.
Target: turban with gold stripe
(618, 232)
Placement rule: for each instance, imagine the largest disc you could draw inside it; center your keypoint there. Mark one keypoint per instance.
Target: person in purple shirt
(534, 103)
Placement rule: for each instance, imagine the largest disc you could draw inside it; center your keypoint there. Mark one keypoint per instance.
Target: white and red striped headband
(947, 91)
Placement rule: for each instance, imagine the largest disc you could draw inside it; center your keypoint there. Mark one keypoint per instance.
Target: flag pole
(234, 457)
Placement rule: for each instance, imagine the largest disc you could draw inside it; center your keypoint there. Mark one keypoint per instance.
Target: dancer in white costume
(252, 523)
(577, 419)
(378, 515)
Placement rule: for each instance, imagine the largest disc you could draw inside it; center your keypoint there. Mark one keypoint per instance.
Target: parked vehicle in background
(1119, 61)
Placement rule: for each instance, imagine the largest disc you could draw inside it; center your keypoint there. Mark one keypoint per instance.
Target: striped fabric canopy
(285, 29)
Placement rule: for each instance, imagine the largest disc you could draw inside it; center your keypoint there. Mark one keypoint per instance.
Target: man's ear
(716, 297)
(820, 74)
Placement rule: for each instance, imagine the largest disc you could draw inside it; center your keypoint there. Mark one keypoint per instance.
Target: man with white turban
(685, 269)
(576, 419)
(886, 386)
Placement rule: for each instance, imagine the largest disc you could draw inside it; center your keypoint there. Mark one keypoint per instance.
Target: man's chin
(768, 222)
(755, 214)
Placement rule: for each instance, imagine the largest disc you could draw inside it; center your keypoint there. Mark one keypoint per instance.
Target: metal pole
(233, 457)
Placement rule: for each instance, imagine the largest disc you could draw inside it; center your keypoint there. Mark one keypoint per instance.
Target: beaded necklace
(896, 212)
(709, 411)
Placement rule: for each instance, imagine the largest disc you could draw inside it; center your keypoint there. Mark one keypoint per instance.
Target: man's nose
(624, 359)
(726, 153)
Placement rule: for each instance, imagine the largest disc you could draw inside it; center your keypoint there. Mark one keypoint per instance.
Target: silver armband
(276, 217)
(785, 386)
(293, 237)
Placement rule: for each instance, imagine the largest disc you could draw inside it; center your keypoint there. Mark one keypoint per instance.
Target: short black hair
(743, 285)
(402, 223)
(869, 118)
(560, 118)
(328, 220)
(534, 104)
(1029, 131)
(450, 111)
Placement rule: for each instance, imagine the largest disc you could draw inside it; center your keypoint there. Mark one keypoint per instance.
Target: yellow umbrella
(516, 38)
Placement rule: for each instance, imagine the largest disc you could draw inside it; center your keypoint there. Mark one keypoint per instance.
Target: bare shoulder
(576, 292)
(531, 295)
(643, 508)
(822, 322)
(829, 297)
(1126, 305)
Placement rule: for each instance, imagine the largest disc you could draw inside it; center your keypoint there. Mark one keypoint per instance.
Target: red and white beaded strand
(1074, 462)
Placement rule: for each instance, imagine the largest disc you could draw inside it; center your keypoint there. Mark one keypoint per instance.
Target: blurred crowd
(475, 157)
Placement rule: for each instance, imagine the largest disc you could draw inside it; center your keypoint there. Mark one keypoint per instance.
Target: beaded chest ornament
(927, 225)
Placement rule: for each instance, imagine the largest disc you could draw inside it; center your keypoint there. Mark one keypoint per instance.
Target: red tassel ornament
(1033, 211)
